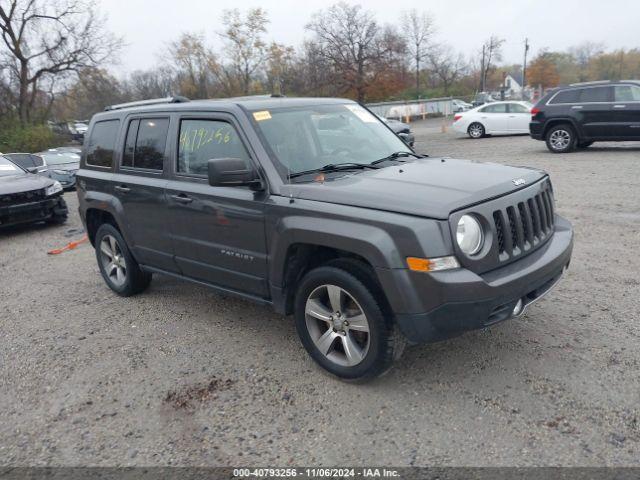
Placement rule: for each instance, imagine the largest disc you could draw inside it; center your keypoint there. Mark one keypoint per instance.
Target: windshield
(307, 138)
(7, 168)
(60, 158)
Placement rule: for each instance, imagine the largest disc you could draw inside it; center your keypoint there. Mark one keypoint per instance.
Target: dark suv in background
(317, 208)
(580, 114)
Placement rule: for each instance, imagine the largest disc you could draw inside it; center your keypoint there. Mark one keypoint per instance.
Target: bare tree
(155, 83)
(447, 66)
(47, 38)
(194, 64)
(352, 43)
(279, 66)
(246, 51)
(418, 30)
(583, 54)
(491, 52)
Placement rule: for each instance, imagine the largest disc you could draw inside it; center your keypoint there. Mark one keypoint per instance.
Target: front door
(626, 112)
(139, 185)
(218, 232)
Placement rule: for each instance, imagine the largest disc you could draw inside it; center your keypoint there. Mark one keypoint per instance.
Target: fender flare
(372, 243)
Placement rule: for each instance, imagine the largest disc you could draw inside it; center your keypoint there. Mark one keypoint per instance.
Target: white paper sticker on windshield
(362, 114)
(262, 115)
(8, 167)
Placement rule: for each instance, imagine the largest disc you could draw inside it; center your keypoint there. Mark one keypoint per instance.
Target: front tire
(119, 269)
(561, 139)
(342, 325)
(476, 130)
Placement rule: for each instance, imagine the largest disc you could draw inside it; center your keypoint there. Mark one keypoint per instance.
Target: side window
(495, 108)
(596, 95)
(203, 140)
(627, 93)
(38, 161)
(517, 108)
(145, 143)
(568, 96)
(102, 143)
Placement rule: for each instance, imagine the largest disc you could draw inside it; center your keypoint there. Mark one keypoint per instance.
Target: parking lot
(183, 376)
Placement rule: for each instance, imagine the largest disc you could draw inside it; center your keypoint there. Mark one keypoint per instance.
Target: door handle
(619, 106)
(182, 198)
(122, 188)
(577, 107)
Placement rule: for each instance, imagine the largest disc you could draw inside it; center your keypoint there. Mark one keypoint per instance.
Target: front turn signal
(417, 264)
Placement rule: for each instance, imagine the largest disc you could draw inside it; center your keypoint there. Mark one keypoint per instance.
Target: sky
(147, 27)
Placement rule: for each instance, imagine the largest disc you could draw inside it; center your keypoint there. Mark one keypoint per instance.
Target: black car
(317, 209)
(580, 114)
(26, 197)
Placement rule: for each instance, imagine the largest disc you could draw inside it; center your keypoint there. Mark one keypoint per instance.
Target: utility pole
(483, 77)
(524, 66)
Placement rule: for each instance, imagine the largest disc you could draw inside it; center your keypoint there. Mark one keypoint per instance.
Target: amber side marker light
(432, 264)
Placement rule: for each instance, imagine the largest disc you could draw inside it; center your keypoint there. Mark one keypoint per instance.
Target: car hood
(23, 183)
(432, 187)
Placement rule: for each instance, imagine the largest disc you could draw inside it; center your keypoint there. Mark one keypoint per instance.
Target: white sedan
(497, 118)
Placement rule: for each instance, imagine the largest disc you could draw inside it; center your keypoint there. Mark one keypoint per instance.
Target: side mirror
(33, 170)
(230, 172)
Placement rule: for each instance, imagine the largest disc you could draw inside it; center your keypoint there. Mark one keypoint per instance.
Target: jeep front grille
(525, 225)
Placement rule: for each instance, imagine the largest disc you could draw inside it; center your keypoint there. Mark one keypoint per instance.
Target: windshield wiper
(396, 155)
(334, 167)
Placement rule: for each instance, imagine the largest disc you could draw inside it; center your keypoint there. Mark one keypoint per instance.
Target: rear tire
(119, 269)
(561, 138)
(343, 326)
(476, 130)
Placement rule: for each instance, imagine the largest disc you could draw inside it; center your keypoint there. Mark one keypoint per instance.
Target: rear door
(595, 111)
(519, 118)
(218, 232)
(139, 184)
(626, 112)
(495, 118)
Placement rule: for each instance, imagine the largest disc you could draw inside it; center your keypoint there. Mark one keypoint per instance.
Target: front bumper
(33, 211)
(67, 180)
(467, 301)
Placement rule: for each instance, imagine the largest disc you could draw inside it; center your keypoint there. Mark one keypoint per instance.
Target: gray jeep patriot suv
(317, 208)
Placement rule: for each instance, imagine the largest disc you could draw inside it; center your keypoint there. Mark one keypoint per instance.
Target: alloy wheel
(476, 130)
(560, 139)
(113, 261)
(337, 325)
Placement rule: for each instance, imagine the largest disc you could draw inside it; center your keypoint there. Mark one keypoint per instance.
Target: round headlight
(469, 235)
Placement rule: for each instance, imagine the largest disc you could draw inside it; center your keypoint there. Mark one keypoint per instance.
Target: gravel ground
(183, 376)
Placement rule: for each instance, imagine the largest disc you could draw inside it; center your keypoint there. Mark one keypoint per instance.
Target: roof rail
(142, 103)
(595, 82)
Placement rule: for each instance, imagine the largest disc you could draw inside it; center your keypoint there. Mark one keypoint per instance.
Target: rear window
(145, 144)
(568, 96)
(102, 143)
